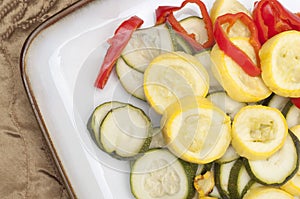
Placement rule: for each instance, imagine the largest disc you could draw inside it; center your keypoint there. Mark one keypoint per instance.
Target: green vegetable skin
(162, 163)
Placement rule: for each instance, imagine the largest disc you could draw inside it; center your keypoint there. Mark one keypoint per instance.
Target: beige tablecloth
(27, 169)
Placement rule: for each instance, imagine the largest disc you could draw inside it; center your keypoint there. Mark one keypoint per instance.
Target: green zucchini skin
(91, 121)
(297, 146)
(233, 179)
(190, 170)
(99, 143)
(217, 173)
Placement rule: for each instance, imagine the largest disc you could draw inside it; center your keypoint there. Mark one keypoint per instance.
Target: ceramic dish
(60, 62)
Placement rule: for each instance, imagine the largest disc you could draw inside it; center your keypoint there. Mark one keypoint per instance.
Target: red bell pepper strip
(166, 14)
(272, 18)
(224, 43)
(117, 44)
(296, 102)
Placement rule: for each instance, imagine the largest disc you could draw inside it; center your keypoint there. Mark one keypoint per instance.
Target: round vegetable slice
(278, 168)
(131, 79)
(125, 132)
(159, 174)
(238, 84)
(267, 192)
(196, 130)
(97, 117)
(258, 131)
(292, 186)
(280, 63)
(172, 76)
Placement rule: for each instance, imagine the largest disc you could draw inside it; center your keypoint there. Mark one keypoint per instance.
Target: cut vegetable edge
(125, 132)
(159, 164)
(145, 45)
(280, 167)
(217, 134)
(232, 77)
(172, 76)
(97, 117)
(131, 79)
(253, 133)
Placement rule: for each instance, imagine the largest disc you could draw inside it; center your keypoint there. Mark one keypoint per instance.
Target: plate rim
(29, 91)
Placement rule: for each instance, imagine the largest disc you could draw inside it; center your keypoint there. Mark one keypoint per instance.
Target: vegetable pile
(226, 85)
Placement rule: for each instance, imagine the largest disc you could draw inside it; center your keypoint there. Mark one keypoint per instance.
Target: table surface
(27, 167)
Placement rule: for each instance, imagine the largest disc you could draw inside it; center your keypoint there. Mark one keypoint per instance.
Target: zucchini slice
(125, 132)
(97, 117)
(293, 116)
(222, 173)
(226, 103)
(292, 186)
(159, 174)
(131, 79)
(146, 44)
(280, 167)
(239, 180)
(195, 25)
(278, 102)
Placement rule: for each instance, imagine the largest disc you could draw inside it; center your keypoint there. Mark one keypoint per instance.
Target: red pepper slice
(224, 43)
(117, 44)
(296, 102)
(165, 14)
(272, 18)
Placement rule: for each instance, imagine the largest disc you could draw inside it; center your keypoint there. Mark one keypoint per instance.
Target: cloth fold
(27, 169)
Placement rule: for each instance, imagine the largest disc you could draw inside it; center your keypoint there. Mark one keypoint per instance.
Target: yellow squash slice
(258, 131)
(171, 76)
(196, 130)
(238, 84)
(267, 192)
(221, 7)
(293, 185)
(280, 63)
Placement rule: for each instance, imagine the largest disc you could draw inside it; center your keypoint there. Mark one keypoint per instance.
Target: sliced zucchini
(280, 167)
(195, 25)
(222, 173)
(97, 117)
(159, 174)
(229, 156)
(292, 186)
(278, 102)
(131, 79)
(238, 180)
(125, 132)
(226, 103)
(179, 43)
(146, 44)
(204, 58)
(267, 192)
(293, 116)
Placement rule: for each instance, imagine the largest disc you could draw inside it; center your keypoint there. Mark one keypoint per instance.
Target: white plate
(60, 62)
